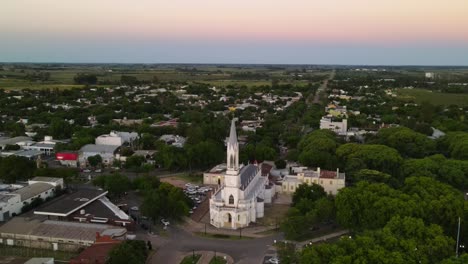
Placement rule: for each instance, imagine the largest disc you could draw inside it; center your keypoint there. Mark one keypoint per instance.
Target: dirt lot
(175, 181)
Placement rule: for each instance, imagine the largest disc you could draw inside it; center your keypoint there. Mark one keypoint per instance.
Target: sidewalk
(323, 238)
(195, 227)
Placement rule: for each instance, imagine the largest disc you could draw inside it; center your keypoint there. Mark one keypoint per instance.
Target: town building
(241, 198)
(107, 153)
(331, 181)
(173, 140)
(115, 138)
(97, 253)
(339, 127)
(11, 203)
(69, 159)
(54, 235)
(86, 205)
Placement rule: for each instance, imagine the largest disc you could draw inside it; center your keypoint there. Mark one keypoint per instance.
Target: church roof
(247, 173)
(233, 133)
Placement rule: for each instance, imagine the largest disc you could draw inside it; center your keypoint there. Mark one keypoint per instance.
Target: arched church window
(231, 199)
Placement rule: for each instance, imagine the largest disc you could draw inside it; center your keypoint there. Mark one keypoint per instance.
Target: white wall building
(340, 127)
(12, 203)
(331, 181)
(107, 153)
(240, 200)
(115, 138)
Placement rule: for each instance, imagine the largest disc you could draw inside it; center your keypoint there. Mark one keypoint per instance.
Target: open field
(15, 76)
(436, 98)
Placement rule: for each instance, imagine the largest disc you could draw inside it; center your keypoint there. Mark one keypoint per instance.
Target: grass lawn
(191, 259)
(436, 98)
(274, 215)
(218, 260)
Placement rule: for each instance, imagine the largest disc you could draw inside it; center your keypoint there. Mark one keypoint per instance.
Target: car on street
(273, 260)
(165, 222)
(87, 170)
(134, 208)
(98, 171)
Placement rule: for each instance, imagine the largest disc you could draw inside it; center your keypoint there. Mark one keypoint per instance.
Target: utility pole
(458, 238)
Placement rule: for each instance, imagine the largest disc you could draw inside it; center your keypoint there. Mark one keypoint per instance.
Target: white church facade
(241, 197)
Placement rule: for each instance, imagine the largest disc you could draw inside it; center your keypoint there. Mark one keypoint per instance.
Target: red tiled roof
(96, 253)
(328, 174)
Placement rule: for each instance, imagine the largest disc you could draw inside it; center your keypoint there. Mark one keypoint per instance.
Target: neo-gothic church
(241, 199)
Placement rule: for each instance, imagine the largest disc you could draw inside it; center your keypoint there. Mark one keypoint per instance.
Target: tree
(84, 78)
(280, 164)
(402, 240)
(166, 201)
(116, 184)
(128, 251)
(374, 157)
(318, 149)
(310, 192)
(134, 162)
(14, 168)
(408, 142)
(372, 176)
(95, 160)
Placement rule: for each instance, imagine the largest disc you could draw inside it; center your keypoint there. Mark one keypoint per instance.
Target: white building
(240, 200)
(331, 181)
(116, 138)
(174, 140)
(429, 75)
(107, 153)
(12, 203)
(340, 127)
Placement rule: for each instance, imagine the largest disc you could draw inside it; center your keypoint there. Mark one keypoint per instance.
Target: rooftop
(33, 190)
(99, 148)
(46, 179)
(69, 203)
(58, 229)
(247, 173)
(13, 141)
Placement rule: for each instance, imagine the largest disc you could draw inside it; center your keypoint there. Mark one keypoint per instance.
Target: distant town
(201, 163)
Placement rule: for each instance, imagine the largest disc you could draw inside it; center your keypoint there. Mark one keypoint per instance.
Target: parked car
(98, 171)
(134, 208)
(274, 260)
(165, 222)
(87, 170)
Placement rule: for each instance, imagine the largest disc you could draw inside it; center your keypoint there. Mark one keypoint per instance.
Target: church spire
(233, 150)
(233, 134)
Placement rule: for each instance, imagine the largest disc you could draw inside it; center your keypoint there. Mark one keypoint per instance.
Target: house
(69, 159)
(10, 205)
(56, 182)
(107, 153)
(20, 141)
(115, 138)
(339, 127)
(331, 181)
(97, 253)
(174, 140)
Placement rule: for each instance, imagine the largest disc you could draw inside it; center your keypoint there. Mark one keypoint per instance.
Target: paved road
(322, 88)
(179, 242)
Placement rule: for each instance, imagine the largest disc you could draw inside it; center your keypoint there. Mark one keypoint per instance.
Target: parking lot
(199, 196)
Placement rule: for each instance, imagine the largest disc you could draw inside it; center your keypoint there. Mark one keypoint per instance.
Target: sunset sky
(416, 32)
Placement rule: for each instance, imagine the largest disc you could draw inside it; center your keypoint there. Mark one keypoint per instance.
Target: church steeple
(233, 150)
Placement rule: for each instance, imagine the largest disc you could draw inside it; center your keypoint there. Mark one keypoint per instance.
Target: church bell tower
(232, 173)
